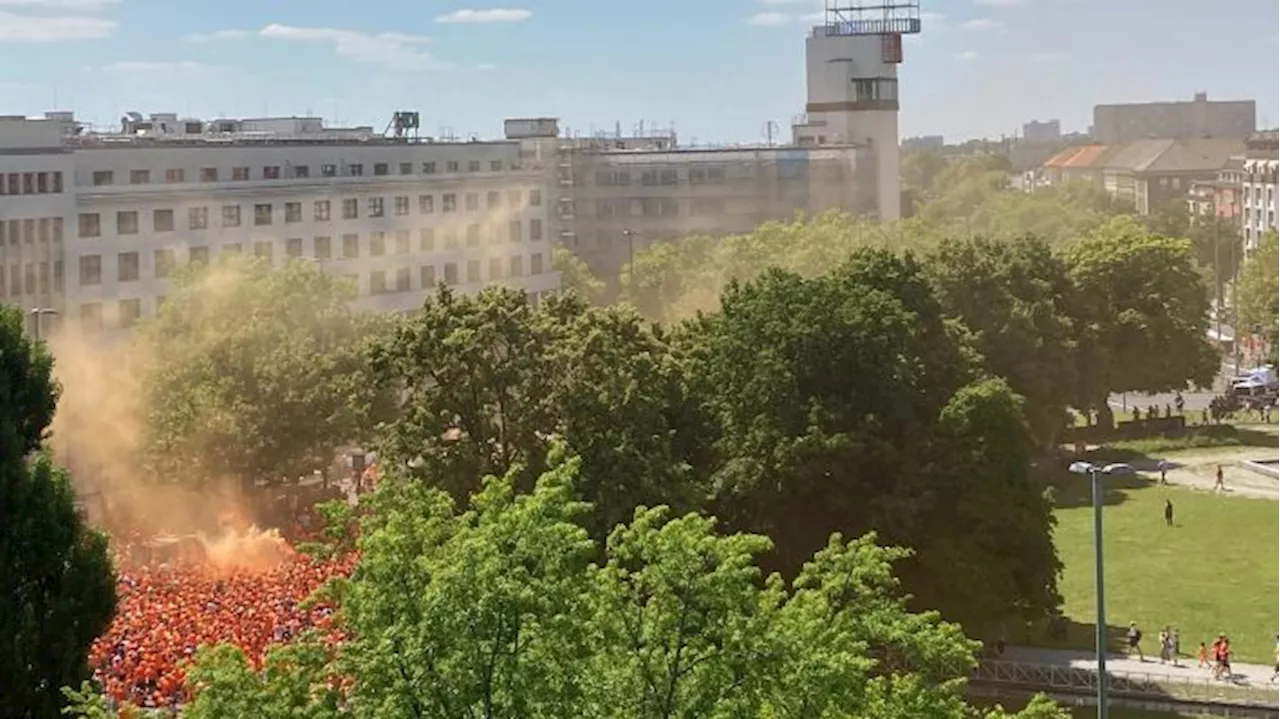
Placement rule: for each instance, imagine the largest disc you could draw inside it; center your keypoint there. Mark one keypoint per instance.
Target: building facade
(1199, 118)
(1260, 197)
(94, 224)
(1047, 131)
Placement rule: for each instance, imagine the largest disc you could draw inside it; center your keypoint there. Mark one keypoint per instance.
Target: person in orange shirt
(1204, 655)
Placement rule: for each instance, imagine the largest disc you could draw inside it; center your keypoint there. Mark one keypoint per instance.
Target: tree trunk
(1106, 419)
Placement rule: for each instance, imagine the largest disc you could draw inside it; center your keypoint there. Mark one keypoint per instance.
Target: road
(1243, 675)
(1195, 400)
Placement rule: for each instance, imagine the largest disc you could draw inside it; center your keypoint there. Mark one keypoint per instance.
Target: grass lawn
(1182, 575)
(1223, 435)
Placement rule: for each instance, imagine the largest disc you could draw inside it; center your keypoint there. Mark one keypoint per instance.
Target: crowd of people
(167, 611)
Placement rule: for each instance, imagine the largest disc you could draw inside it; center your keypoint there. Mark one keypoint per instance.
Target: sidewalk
(1243, 675)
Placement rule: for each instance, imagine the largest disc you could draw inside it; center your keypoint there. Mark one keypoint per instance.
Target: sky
(719, 71)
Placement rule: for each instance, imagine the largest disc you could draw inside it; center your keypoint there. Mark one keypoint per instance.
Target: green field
(1215, 571)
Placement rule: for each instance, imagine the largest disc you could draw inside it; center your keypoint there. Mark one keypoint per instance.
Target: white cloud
(82, 5)
(391, 49)
(966, 55)
(1001, 3)
(218, 35)
(769, 19)
(467, 15)
(486, 66)
(981, 23)
(139, 67)
(25, 28)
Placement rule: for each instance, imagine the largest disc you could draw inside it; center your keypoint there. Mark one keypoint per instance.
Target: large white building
(92, 224)
(1259, 194)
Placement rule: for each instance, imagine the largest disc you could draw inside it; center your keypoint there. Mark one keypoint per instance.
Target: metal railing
(1050, 677)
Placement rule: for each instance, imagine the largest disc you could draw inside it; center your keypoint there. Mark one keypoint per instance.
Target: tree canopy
(254, 373)
(57, 587)
(1259, 293)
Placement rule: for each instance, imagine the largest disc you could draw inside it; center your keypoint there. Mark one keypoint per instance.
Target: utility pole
(1235, 306)
(631, 263)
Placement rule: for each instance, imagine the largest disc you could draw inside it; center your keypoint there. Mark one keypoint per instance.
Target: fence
(1138, 685)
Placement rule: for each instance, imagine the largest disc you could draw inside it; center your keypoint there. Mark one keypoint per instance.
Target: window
(350, 246)
(513, 198)
(473, 165)
(668, 177)
(165, 263)
(208, 174)
(230, 215)
(377, 282)
(140, 177)
(271, 172)
(324, 247)
(320, 210)
(57, 229)
(350, 209)
(473, 235)
(426, 204)
(90, 225)
(90, 270)
(355, 170)
(42, 183)
(162, 220)
(494, 233)
(426, 240)
(535, 264)
(100, 178)
(380, 169)
(375, 207)
(264, 250)
(175, 175)
(262, 214)
(450, 273)
(495, 165)
(377, 244)
(715, 174)
(57, 276)
(231, 248)
(328, 170)
(302, 171)
(293, 212)
(293, 247)
(514, 231)
(127, 267)
(516, 266)
(495, 268)
(403, 242)
(43, 277)
(404, 280)
(649, 178)
(473, 271)
(91, 316)
(239, 174)
(427, 276)
(127, 222)
(697, 177)
(493, 199)
(197, 218)
(472, 202)
(402, 206)
(428, 168)
(57, 182)
(448, 202)
(198, 255)
(535, 230)
(406, 168)
(535, 198)
(130, 311)
(451, 166)
(29, 229)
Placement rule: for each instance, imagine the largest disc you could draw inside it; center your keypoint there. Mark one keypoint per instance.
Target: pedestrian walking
(1165, 644)
(1218, 484)
(1203, 655)
(1168, 512)
(1164, 472)
(1134, 636)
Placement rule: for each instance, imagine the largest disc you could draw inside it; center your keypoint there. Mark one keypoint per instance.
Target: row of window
(658, 207)
(712, 175)
(264, 213)
(288, 171)
(31, 183)
(31, 278)
(31, 230)
(129, 265)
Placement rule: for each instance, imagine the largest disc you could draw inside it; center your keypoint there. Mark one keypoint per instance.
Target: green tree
(256, 373)
(57, 587)
(296, 680)
(487, 381)
(576, 276)
(1259, 293)
(1014, 297)
(1215, 240)
(1142, 315)
(828, 395)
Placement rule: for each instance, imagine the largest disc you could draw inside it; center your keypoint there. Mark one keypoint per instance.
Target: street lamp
(36, 314)
(1094, 473)
(631, 261)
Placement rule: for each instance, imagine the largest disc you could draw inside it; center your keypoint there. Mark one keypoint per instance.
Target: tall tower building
(851, 65)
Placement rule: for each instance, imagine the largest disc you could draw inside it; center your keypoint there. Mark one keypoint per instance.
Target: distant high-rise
(1036, 131)
(1199, 118)
(851, 66)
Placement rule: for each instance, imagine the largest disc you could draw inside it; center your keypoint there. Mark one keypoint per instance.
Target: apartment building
(1199, 118)
(1260, 198)
(94, 223)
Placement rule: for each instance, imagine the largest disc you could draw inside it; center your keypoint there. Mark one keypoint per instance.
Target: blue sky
(718, 69)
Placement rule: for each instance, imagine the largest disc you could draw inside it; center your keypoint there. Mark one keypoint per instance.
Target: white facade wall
(425, 213)
(1260, 206)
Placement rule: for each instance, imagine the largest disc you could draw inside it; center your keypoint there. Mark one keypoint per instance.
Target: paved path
(1245, 675)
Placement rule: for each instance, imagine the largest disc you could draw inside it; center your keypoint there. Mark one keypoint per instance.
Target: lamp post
(631, 262)
(36, 314)
(1094, 473)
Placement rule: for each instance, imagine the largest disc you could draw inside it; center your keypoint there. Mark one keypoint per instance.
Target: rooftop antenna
(890, 19)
